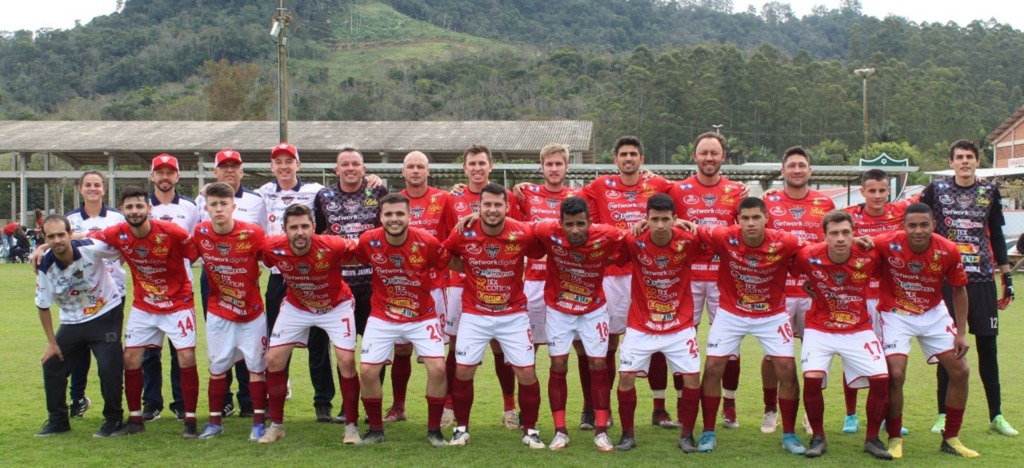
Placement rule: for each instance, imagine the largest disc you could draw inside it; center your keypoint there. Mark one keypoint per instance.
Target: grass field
(312, 444)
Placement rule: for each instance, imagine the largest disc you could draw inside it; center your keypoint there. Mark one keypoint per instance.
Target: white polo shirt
(82, 290)
(277, 200)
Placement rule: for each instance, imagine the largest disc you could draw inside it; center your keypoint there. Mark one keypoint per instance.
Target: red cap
(285, 148)
(165, 160)
(227, 154)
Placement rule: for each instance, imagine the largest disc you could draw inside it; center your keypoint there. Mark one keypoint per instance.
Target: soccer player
(236, 327)
(316, 297)
(577, 253)
(838, 324)
(969, 212)
(74, 276)
(494, 308)
(751, 279)
(162, 305)
(660, 317)
(915, 262)
(403, 260)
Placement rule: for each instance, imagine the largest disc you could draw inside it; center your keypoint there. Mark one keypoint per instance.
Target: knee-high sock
(789, 409)
(627, 410)
(258, 390)
(449, 368)
(657, 377)
(941, 386)
(373, 412)
(731, 382)
(954, 419)
(688, 405)
(583, 364)
(462, 397)
(814, 404)
(350, 398)
(215, 393)
(435, 406)
(557, 390)
(610, 360)
(771, 398)
(401, 370)
(529, 405)
(190, 392)
(877, 405)
(133, 393)
(850, 395)
(709, 408)
(600, 393)
(507, 380)
(277, 389)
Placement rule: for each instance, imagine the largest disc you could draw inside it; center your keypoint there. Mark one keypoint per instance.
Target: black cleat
(323, 414)
(150, 412)
(109, 428)
(51, 428)
(372, 437)
(687, 444)
(129, 428)
(626, 443)
(587, 421)
(436, 439)
(817, 447)
(190, 431)
(228, 410)
(78, 408)
(179, 413)
(877, 449)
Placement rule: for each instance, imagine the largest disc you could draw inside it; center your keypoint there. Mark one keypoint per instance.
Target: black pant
(101, 335)
(241, 371)
(321, 371)
(80, 364)
(982, 308)
(153, 381)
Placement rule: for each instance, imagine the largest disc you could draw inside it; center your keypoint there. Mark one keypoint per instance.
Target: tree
(234, 91)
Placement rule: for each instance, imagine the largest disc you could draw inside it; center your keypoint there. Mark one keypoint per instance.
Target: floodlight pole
(864, 73)
(279, 31)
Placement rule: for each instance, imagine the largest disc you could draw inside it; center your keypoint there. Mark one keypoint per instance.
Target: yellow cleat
(896, 448)
(955, 447)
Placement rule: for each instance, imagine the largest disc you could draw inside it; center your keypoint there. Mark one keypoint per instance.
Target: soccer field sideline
(308, 442)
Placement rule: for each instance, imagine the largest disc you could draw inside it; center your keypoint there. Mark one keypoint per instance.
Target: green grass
(309, 443)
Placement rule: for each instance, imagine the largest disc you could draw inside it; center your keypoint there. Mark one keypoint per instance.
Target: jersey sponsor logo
(691, 199)
(777, 211)
(513, 248)
(473, 249)
(820, 275)
(612, 194)
(206, 244)
(333, 206)
(645, 260)
(378, 257)
(460, 206)
(558, 250)
(896, 262)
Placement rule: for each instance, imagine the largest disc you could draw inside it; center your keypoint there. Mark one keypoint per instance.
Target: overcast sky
(36, 14)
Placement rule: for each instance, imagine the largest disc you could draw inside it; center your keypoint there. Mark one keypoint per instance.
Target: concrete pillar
(23, 181)
(112, 184)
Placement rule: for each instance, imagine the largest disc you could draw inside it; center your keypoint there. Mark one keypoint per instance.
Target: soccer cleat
(210, 431)
(371, 438)
(395, 415)
(51, 428)
(245, 410)
(273, 433)
(662, 419)
(150, 412)
(851, 424)
(340, 418)
(560, 441)
(707, 442)
(351, 434)
(940, 424)
(770, 422)
(687, 444)
(587, 421)
(510, 419)
(807, 425)
(792, 444)
(179, 413)
(323, 414)
(729, 420)
(190, 431)
(532, 439)
(955, 447)
(78, 408)
(460, 437)
(817, 448)
(229, 409)
(257, 432)
(108, 429)
(603, 443)
(896, 448)
(130, 428)
(626, 443)
(436, 439)
(1000, 425)
(448, 417)
(876, 449)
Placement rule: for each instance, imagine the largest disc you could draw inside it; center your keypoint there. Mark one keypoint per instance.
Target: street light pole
(864, 73)
(279, 31)
(718, 129)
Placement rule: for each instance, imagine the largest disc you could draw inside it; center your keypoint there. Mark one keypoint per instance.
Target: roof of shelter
(1006, 125)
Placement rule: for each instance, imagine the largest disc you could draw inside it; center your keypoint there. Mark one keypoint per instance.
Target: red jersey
(433, 212)
(841, 305)
(662, 301)
(865, 224)
(711, 205)
(752, 280)
(615, 203)
(912, 282)
(314, 279)
(401, 274)
(232, 269)
(159, 280)
(494, 267)
(467, 203)
(541, 204)
(801, 217)
(575, 274)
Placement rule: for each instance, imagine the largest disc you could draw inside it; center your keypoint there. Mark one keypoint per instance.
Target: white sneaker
(603, 443)
(560, 441)
(351, 434)
(807, 425)
(770, 422)
(460, 437)
(532, 440)
(510, 419)
(274, 433)
(447, 418)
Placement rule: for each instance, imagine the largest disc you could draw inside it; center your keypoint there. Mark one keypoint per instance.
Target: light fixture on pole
(864, 73)
(279, 30)
(718, 129)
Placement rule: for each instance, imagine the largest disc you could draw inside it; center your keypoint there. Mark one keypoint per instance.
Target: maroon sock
(709, 408)
(449, 369)
(877, 405)
(894, 426)
(133, 392)
(771, 398)
(350, 398)
(814, 404)
(462, 399)
(435, 406)
(373, 410)
(557, 390)
(677, 383)
(789, 410)
(627, 410)
(507, 380)
(600, 393)
(401, 370)
(731, 379)
(258, 391)
(216, 391)
(190, 392)
(583, 364)
(850, 394)
(277, 389)
(529, 405)
(657, 377)
(954, 418)
(687, 406)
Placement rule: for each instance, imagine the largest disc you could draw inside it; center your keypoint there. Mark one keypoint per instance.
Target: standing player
(969, 212)
(915, 263)
(316, 297)
(156, 252)
(838, 323)
(403, 260)
(660, 318)
(495, 308)
(236, 328)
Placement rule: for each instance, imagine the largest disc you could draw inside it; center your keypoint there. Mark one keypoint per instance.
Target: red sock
(507, 380)
(789, 410)
(771, 398)
(401, 370)
(435, 406)
(583, 364)
(894, 426)
(448, 404)
(627, 410)
(954, 418)
(657, 377)
(216, 391)
(557, 390)
(373, 410)
(462, 399)
(277, 389)
(529, 405)
(600, 393)
(190, 392)
(877, 405)
(850, 394)
(133, 393)
(350, 398)
(709, 408)
(258, 390)
(814, 404)
(687, 406)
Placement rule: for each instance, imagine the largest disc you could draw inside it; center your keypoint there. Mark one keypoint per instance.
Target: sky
(61, 14)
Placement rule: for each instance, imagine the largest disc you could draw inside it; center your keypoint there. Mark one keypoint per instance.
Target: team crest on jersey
(915, 267)
(691, 199)
(839, 278)
(167, 218)
(752, 261)
(709, 200)
(397, 260)
(492, 250)
(577, 257)
(378, 257)
(287, 199)
(964, 200)
(351, 205)
(142, 251)
(78, 274)
(631, 195)
(945, 199)
(797, 212)
(416, 212)
(303, 268)
(661, 261)
(552, 203)
(223, 249)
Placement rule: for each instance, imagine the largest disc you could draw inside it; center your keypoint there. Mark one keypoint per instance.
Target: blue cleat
(792, 444)
(210, 431)
(707, 442)
(257, 432)
(850, 424)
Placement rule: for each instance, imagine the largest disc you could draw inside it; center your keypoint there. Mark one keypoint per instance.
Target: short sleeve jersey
(314, 282)
(467, 203)
(232, 269)
(574, 274)
(540, 204)
(965, 215)
(841, 289)
(912, 282)
(711, 205)
(752, 280)
(434, 213)
(277, 200)
(865, 224)
(349, 214)
(159, 281)
(614, 203)
(801, 217)
(182, 211)
(401, 274)
(662, 301)
(249, 207)
(82, 290)
(82, 223)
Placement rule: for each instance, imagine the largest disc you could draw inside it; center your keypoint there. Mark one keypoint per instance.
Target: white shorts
(680, 349)
(537, 310)
(876, 321)
(934, 330)
(147, 330)
(511, 331)
(380, 337)
(228, 342)
(591, 329)
(441, 307)
(454, 313)
(861, 353)
(726, 334)
(704, 292)
(617, 291)
(797, 308)
(293, 324)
